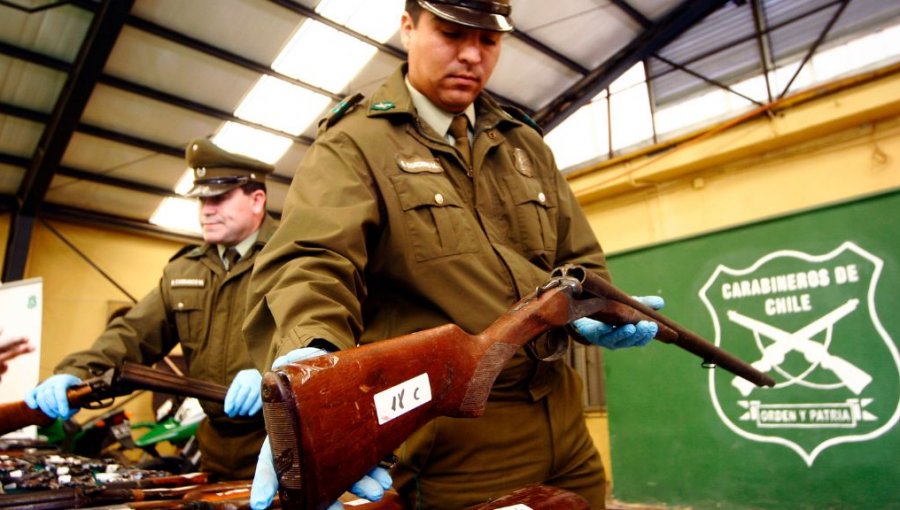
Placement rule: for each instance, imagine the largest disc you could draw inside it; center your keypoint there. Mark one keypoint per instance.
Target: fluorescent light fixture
(322, 56)
(376, 20)
(185, 182)
(252, 142)
(281, 105)
(181, 214)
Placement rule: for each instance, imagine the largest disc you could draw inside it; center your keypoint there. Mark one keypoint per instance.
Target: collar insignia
(383, 106)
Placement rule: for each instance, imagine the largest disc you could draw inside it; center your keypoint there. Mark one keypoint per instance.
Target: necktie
(459, 130)
(231, 258)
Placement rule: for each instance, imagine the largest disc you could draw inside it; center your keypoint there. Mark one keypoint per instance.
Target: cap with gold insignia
(483, 14)
(218, 171)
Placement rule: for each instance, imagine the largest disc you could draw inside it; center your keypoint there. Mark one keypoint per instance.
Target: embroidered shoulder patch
(338, 112)
(187, 282)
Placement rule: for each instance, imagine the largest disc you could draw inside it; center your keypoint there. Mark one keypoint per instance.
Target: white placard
(402, 398)
(21, 303)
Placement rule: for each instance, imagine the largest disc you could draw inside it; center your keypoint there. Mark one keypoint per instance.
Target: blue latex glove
(628, 335)
(265, 483)
(243, 397)
(50, 396)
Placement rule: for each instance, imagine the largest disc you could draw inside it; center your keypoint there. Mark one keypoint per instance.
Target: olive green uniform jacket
(385, 232)
(202, 307)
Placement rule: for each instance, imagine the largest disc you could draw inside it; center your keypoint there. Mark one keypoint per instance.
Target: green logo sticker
(32, 301)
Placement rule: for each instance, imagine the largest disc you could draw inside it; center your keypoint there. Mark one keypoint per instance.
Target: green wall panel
(813, 299)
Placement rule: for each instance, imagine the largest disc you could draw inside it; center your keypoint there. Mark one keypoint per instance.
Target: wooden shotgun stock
(115, 382)
(317, 410)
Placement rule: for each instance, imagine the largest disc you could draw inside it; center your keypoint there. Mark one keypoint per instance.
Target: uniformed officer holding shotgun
(199, 303)
(430, 203)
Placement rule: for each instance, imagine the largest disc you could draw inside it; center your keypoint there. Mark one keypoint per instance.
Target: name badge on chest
(196, 283)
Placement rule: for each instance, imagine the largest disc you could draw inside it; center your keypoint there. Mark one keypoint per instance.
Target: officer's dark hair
(250, 187)
(414, 10)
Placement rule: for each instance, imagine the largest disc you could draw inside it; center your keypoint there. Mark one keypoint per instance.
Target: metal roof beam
(633, 13)
(214, 51)
(686, 15)
(10, 159)
(194, 106)
(95, 50)
(815, 46)
(102, 220)
(550, 52)
(113, 136)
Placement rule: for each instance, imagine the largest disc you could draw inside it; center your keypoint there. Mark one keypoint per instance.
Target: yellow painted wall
(77, 297)
(839, 143)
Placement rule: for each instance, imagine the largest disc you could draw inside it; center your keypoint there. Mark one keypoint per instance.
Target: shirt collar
(242, 247)
(436, 118)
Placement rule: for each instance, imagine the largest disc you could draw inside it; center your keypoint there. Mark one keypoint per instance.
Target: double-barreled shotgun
(115, 382)
(386, 390)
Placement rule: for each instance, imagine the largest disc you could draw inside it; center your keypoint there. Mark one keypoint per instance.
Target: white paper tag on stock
(402, 398)
(518, 506)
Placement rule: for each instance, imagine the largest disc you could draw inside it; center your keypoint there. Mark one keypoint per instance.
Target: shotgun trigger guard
(100, 403)
(103, 395)
(558, 341)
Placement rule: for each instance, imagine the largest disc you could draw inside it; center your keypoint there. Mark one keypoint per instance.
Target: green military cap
(218, 171)
(483, 14)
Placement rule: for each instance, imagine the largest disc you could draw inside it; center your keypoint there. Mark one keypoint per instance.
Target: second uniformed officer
(200, 304)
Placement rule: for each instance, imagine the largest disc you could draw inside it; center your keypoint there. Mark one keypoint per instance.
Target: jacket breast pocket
(436, 218)
(188, 309)
(535, 213)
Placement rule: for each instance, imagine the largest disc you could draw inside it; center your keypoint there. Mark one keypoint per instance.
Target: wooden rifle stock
(317, 410)
(115, 382)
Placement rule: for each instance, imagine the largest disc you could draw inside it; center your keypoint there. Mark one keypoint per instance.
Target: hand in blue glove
(628, 335)
(50, 396)
(243, 397)
(265, 483)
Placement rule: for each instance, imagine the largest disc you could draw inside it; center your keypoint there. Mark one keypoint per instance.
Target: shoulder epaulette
(341, 109)
(523, 117)
(184, 250)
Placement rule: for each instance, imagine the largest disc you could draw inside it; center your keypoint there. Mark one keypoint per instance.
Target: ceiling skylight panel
(376, 20)
(281, 105)
(252, 142)
(324, 57)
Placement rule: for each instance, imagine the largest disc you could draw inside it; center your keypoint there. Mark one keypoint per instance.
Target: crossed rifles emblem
(801, 341)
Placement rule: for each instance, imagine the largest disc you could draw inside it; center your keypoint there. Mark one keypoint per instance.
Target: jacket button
(542, 197)
(439, 199)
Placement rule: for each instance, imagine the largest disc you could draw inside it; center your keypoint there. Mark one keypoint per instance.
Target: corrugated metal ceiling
(177, 70)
